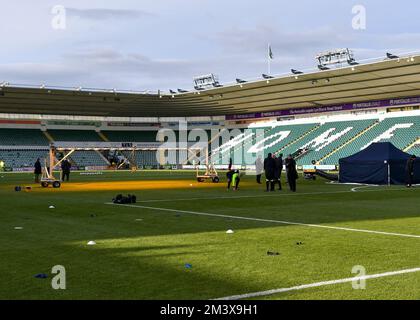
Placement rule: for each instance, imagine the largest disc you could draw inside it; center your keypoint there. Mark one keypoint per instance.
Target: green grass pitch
(141, 253)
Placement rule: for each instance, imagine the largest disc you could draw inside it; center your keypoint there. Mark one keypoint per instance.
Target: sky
(160, 45)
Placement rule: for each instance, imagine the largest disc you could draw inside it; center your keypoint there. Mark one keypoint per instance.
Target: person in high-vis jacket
(236, 178)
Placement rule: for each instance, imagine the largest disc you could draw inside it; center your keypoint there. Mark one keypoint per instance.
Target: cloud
(250, 41)
(106, 14)
(237, 53)
(104, 68)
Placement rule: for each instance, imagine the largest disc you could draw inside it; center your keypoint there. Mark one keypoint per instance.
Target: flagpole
(269, 60)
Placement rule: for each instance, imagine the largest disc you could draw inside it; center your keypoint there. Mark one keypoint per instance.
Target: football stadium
(301, 185)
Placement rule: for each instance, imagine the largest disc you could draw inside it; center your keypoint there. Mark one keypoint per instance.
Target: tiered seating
(327, 142)
(322, 141)
(265, 140)
(87, 158)
(296, 131)
(74, 135)
(401, 138)
(80, 158)
(345, 131)
(336, 133)
(22, 137)
(22, 158)
(415, 150)
(146, 158)
(131, 136)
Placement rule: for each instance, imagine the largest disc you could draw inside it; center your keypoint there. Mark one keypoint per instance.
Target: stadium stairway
(88, 158)
(320, 161)
(103, 137)
(75, 135)
(48, 136)
(412, 145)
(415, 149)
(298, 139)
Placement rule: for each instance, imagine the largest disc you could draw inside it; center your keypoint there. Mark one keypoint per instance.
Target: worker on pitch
(291, 172)
(278, 170)
(269, 168)
(38, 170)
(234, 179)
(259, 168)
(65, 170)
(409, 171)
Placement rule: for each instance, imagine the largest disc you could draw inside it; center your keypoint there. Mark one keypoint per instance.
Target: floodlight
(352, 62)
(391, 56)
(294, 71)
(266, 76)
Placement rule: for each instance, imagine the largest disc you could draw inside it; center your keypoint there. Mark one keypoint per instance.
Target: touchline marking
(318, 284)
(364, 187)
(266, 195)
(266, 220)
(243, 197)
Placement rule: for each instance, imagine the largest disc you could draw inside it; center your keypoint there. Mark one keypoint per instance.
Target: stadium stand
(416, 150)
(399, 131)
(74, 135)
(325, 138)
(324, 142)
(88, 158)
(21, 158)
(22, 137)
(130, 136)
(266, 139)
(144, 158)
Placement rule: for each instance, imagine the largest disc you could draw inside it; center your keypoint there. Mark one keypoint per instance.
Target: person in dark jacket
(278, 170)
(38, 170)
(65, 167)
(409, 171)
(269, 168)
(291, 172)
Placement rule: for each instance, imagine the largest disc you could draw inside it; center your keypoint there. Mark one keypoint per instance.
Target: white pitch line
(318, 284)
(267, 220)
(264, 196)
(243, 197)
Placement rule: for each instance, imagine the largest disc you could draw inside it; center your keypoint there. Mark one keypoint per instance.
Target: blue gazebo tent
(380, 163)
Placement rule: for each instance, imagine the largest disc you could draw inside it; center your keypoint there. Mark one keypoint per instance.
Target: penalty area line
(266, 220)
(318, 284)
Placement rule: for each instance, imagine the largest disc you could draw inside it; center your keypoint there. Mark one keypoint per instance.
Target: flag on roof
(270, 53)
